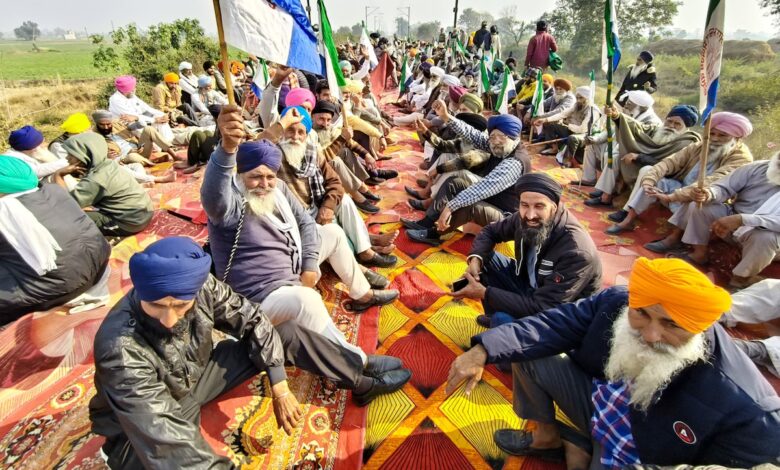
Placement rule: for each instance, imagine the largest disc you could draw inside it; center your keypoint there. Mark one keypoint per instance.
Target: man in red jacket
(539, 47)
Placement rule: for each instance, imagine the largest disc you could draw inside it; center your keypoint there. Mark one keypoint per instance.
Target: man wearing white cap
(188, 82)
(422, 102)
(581, 122)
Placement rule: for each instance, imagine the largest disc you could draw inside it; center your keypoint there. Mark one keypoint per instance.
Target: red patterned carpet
(46, 358)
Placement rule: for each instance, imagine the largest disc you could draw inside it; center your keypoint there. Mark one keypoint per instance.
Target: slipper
(687, 258)
(516, 442)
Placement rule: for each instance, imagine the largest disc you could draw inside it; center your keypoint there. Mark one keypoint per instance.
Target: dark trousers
(201, 146)
(539, 385)
(499, 271)
(189, 118)
(481, 213)
(552, 131)
(229, 366)
(111, 228)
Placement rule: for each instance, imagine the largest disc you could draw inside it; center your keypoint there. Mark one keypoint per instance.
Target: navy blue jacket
(728, 406)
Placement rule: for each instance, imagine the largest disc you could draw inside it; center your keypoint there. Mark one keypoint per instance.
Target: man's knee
(455, 184)
(288, 333)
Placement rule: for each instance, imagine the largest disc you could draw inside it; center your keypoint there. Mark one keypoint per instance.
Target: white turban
(450, 80)
(640, 98)
(185, 66)
(585, 92)
(418, 89)
(437, 71)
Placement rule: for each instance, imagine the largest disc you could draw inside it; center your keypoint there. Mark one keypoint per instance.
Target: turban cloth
(562, 83)
(214, 110)
(171, 78)
(185, 66)
(509, 124)
(417, 89)
(429, 61)
(413, 52)
(450, 80)
(302, 111)
(640, 98)
(437, 71)
(687, 295)
(125, 83)
(207, 65)
(475, 120)
(76, 123)
(299, 96)
(25, 138)
(236, 67)
(469, 73)
(498, 66)
(16, 176)
(345, 64)
(646, 56)
(733, 124)
(101, 114)
(253, 154)
(540, 183)
(548, 79)
(353, 86)
(324, 106)
(456, 92)
(689, 114)
(585, 92)
(472, 102)
(172, 267)
(204, 81)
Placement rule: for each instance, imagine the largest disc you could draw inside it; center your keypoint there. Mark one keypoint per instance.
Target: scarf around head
(89, 148)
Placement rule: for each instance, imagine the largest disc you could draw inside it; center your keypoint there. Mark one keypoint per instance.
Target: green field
(69, 59)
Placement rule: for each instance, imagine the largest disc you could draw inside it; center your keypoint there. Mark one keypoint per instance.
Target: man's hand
(286, 408)
(629, 157)
(611, 112)
(291, 118)
(474, 268)
(128, 118)
(231, 128)
(346, 133)
(282, 72)
(420, 126)
(700, 195)
(443, 223)
(473, 290)
(650, 189)
(162, 119)
(469, 367)
(724, 226)
(76, 170)
(112, 152)
(370, 163)
(382, 144)
(325, 215)
(440, 108)
(537, 122)
(309, 279)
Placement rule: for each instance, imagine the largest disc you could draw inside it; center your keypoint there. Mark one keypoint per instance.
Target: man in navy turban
(27, 145)
(489, 199)
(156, 362)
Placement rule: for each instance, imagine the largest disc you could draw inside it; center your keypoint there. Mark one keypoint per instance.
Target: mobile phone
(459, 284)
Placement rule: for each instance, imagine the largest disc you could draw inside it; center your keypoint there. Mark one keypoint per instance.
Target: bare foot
(383, 239)
(161, 158)
(168, 178)
(385, 250)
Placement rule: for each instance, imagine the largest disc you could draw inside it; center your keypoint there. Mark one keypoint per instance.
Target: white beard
(557, 97)
(328, 135)
(773, 169)
(503, 150)
(294, 152)
(43, 155)
(717, 151)
(646, 368)
(636, 70)
(663, 135)
(259, 205)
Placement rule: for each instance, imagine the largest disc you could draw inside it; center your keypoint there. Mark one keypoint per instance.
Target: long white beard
(664, 135)
(717, 151)
(557, 97)
(773, 169)
(258, 204)
(503, 150)
(43, 155)
(294, 152)
(636, 70)
(647, 368)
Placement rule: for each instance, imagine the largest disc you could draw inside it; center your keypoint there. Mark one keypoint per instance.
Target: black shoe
(374, 181)
(422, 183)
(371, 196)
(413, 193)
(413, 224)
(386, 174)
(516, 442)
(596, 193)
(597, 202)
(421, 236)
(376, 280)
(384, 384)
(377, 365)
(379, 298)
(483, 321)
(367, 207)
(583, 183)
(618, 216)
(379, 261)
(416, 204)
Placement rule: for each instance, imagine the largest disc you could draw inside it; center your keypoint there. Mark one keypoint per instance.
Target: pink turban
(733, 124)
(125, 83)
(456, 92)
(298, 96)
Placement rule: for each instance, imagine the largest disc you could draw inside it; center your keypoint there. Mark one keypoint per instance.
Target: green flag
(502, 102)
(537, 102)
(335, 77)
(483, 83)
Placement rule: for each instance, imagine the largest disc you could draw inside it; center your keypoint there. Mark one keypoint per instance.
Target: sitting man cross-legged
(156, 362)
(555, 262)
(645, 375)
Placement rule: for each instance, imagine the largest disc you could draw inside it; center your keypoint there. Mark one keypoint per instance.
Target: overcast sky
(97, 15)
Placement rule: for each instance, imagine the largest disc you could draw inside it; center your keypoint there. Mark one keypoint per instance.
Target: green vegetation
(66, 59)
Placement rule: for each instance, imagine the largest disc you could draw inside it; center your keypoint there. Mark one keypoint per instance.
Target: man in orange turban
(644, 373)
(166, 97)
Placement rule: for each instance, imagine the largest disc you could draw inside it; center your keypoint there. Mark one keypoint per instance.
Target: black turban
(477, 121)
(540, 183)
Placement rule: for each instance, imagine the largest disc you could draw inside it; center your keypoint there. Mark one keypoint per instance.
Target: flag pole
(224, 51)
(705, 143)
(609, 119)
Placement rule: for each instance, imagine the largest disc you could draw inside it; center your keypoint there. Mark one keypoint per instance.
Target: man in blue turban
(156, 362)
(490, 198)
(27, 145)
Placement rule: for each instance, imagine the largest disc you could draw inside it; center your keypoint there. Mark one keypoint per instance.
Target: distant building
(69, 36)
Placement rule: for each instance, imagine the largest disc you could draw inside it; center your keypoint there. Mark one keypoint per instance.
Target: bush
(766, 122)
(741, 49)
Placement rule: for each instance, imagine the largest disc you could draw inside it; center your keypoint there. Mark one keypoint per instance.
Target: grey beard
(503, 150)
(557, 98)
(718, 151)
(294, 153)
(773, 169)
(635, 71)
(663, 136)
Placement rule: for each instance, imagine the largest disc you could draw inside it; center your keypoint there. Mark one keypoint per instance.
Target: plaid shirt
(610, 425)
(499, 179)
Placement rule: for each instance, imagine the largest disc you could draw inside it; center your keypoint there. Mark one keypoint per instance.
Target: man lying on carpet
(156, 363)
(644, 374)
(556, 260)
(50, 251)
(486, 201)
(751, 219)
(279, 248)
(672, 180)
(638, 145)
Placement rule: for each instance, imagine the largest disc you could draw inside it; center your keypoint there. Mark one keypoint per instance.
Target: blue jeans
(499, 271)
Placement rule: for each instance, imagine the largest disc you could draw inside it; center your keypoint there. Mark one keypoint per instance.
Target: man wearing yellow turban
(74, 124)
(644, 373)
(166, 97)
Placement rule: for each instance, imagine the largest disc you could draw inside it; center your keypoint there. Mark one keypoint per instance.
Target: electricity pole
(370, 11)
(455, 10)
(308, 9)
(408, 20)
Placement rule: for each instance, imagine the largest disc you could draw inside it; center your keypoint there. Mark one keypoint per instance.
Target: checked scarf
(310, 169)
(611, 425)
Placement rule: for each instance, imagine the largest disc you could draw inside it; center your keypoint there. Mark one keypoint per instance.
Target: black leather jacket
(140, 378)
